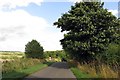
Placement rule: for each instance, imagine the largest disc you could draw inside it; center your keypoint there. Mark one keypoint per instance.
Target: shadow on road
(57, 71)
(60, 65)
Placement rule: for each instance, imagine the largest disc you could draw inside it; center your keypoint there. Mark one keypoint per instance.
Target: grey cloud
(2, 38)
(6, 33)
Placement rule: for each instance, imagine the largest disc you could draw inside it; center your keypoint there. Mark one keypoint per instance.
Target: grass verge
(19, 74)
(93, 70)
(79, 74)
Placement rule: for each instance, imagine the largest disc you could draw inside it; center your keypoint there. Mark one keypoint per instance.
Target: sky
(24, 20)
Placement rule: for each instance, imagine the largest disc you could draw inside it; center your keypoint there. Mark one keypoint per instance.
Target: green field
(11, 55)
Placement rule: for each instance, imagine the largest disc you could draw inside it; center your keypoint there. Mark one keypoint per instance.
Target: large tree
(33, 49)
(90, 28)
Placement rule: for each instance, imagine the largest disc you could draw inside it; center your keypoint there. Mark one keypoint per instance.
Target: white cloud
(93, 0)
(17, 27)
(75, 1)
(20, 3)
(114, 12)
(83, 0)
(110, 0)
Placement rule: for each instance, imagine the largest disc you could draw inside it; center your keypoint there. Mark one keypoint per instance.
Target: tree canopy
(90, 28)
(33, 49)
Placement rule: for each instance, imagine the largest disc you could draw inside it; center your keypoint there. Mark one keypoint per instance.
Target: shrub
(112, 55)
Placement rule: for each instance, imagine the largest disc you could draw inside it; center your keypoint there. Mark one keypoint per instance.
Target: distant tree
(33, 50)
(90, 28)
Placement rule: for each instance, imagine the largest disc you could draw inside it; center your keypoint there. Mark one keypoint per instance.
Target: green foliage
(112, 55)
(55, 54)
(34, 50)
(90, 28)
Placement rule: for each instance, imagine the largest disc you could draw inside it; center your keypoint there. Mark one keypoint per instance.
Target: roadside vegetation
(17, 65)
(22, 67)
(79, 74)
(93, 70)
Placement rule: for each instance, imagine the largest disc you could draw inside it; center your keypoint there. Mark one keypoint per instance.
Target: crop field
(10, 55)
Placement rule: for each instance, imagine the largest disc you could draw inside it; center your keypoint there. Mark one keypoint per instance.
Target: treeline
(55, 54)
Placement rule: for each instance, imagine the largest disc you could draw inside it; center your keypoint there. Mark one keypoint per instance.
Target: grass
(99, 71)
(19, 68)
(19, 74)
(19, 64)
(79, 74)
(90, 70)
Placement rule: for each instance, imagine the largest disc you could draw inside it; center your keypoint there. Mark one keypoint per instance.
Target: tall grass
(97, 70)
(18, 64)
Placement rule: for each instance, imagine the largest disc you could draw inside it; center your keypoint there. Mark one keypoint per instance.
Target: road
(57, 71)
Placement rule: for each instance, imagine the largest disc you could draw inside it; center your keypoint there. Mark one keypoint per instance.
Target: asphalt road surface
(57, 71)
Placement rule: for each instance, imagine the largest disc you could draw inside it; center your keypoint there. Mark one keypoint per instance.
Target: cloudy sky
(24, 20)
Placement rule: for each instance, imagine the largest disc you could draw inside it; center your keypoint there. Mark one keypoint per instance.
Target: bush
(112, 55)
